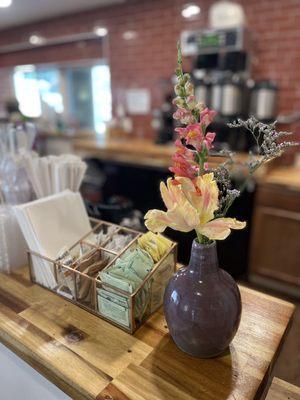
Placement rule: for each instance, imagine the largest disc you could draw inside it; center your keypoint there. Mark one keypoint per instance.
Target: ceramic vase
(202, 304)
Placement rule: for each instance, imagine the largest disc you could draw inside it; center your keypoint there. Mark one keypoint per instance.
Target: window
(49, 89)
(78, 95)
(27, 91)
(102, 104)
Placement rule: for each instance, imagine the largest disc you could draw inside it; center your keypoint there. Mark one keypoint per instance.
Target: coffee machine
(263, 101)
(222, 76)
(221, 71)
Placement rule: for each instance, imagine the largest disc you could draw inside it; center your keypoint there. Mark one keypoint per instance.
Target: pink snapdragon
(183, 162)
(184, 116)
(207, 116)
(194, 136)
(208, 140)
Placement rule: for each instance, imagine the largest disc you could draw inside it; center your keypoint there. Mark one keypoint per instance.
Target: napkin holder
(125, 310)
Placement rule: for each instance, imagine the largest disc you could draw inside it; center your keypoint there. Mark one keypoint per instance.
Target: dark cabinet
(275, 241)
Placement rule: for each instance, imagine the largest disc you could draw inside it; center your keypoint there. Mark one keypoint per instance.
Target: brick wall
(150, 58)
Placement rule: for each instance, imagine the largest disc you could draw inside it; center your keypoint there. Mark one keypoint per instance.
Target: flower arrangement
(198, 198)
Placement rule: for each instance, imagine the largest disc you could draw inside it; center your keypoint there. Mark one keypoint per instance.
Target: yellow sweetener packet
(155, 244)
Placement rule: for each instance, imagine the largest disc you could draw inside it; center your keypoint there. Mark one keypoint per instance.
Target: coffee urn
(227, 96)
(263, 101)
(232, 102)
(216, 94)
(202, 86)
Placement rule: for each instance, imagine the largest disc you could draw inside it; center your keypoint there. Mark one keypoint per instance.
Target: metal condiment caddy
(78, 280)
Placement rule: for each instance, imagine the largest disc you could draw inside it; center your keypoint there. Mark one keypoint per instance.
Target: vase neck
(204, 259)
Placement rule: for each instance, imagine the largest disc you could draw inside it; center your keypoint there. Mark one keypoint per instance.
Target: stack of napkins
(50, 224)
(53, 174)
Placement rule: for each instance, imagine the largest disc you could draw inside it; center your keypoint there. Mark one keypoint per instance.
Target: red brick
(152, 56)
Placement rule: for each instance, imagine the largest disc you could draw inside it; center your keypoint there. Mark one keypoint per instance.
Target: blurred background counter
(143, 153)
(57, 142)
(97, 79)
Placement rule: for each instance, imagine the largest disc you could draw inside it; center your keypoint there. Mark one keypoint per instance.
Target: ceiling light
(5, 3)
(36, 40)
(130, 35)
(100, 31)
(190, 10)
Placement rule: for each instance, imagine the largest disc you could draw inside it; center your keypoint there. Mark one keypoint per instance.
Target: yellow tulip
(191, 205)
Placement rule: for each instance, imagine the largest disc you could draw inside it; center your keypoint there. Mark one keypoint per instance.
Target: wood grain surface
(138, 152)
(277, 210)
(287, 177)
(90, 359)
(282, 390)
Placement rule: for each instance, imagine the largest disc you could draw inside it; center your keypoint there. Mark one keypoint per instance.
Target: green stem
(201, 164)
(199, 237)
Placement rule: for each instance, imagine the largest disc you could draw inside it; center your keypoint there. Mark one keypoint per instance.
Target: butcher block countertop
(90, 359)
(139, 152)
(281, 390)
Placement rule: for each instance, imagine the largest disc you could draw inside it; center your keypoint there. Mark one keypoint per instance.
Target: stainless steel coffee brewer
(263, 101)
(227, 96)
(221, 68)
(221, 72)
(202, 84)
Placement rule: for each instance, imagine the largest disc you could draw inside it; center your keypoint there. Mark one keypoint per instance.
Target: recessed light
(190, 10)
(5, 3)
(130, 35)
(36, 40)
(100, 31)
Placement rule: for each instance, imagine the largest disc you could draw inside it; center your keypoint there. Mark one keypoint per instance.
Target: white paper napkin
(49, 224)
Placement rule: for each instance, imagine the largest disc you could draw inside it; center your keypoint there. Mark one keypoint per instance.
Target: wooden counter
(281, 390)
(90, 359)
(66, 135)
(133, 151)
(57, 143)
(284, 177)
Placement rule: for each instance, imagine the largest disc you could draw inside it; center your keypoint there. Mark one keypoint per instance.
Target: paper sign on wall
(138, 101)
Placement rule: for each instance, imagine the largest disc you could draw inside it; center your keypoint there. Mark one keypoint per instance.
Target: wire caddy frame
(126, 310)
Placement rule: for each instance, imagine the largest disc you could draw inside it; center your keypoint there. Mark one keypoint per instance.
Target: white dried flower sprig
(227, 194)
(268, 148)
(266, 138)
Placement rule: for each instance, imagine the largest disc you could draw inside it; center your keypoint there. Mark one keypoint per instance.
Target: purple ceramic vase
(202, 304)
